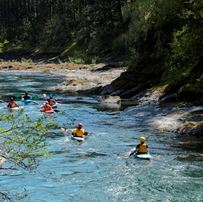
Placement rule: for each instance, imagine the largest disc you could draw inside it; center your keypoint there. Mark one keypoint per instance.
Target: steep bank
(186, 97)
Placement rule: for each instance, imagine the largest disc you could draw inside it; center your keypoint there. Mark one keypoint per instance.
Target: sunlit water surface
(99, 169)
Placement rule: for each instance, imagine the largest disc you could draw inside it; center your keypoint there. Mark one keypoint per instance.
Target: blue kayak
(26, 101)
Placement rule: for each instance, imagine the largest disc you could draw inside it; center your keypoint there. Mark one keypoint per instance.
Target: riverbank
(97, 78)
(104, 155)
(78, 77)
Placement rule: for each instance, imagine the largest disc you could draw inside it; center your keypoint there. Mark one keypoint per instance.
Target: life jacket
(47, 107)
(78, 132)
(142, 148)
(11, 104)
(27, 97)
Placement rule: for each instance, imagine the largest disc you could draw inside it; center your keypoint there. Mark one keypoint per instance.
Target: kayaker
(11, 103)
(51, 101)
(141, 148)
(46, 107)
(26, 96)
(79, 131)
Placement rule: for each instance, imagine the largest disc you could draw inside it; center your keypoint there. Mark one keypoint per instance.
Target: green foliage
(186, 51)
(2, 45)
(23, 140)
(161, 40)
(187, 44)
(75, 53)
(51, 26)
(54, 34)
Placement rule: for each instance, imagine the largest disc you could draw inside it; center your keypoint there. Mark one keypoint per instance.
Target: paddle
(35, 102)
(66, 133)
(133, 152)
(65, 130)
(45, 95)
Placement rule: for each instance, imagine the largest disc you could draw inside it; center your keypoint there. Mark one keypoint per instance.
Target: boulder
(191, 128)
(110, 99)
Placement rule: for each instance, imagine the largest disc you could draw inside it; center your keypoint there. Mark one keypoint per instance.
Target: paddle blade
(63, 129)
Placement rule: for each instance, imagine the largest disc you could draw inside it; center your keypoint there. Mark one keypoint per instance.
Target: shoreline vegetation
(160, 43)
(96, 79)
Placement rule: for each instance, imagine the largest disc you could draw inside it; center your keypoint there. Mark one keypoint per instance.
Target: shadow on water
(190, 144)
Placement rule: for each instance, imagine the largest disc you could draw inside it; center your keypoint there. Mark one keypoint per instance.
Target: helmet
(142, 139)
(79, 125)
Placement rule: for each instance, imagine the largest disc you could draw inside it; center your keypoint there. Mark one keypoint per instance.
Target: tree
(23, 141)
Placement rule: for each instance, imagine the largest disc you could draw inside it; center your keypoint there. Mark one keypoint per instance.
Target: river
(99, 169)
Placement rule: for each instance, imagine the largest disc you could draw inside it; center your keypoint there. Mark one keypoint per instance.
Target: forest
(160, 41)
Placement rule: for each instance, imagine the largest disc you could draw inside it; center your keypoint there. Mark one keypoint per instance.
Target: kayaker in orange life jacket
(11, 103)
(51, 101)
(141, 148)
(46, 107)
(79, 131)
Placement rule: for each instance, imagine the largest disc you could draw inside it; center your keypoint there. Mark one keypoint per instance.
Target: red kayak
(48, 111)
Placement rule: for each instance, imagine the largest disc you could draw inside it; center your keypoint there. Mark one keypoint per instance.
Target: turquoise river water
(99, 169)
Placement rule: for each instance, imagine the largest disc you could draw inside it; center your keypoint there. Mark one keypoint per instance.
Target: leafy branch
(23, 141)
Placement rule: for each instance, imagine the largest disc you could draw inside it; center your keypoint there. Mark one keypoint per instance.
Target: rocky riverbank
(78, 77)
(97, 79)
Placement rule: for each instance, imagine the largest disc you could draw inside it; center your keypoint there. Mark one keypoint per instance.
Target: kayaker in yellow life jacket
(79, 131)
(11, 103)
(141, 148)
